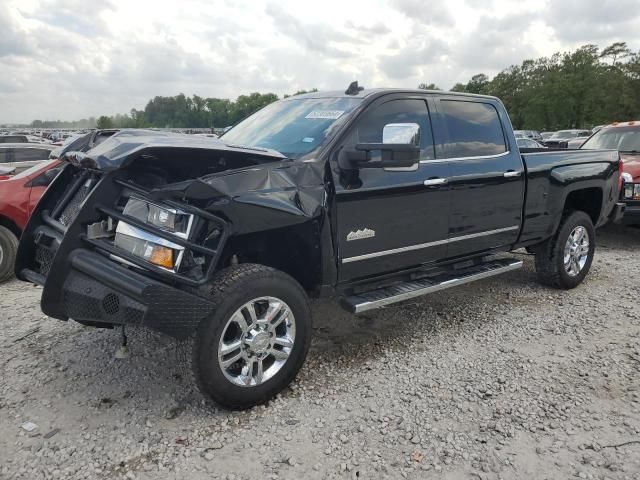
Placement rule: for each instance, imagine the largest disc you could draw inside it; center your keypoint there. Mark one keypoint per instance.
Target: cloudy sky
(67, 59)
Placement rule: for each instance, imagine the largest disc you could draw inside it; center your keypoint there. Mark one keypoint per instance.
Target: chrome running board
(404, 291)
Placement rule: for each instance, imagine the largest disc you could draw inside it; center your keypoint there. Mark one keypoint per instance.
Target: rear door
(487, 178)
(389, 219)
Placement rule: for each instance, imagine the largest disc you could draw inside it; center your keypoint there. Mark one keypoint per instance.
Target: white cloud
(67, 59)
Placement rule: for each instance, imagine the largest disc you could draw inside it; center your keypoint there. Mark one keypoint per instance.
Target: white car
(23, 155)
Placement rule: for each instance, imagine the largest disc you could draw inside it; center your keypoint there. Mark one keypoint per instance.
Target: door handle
(432, 182)
(512, 173)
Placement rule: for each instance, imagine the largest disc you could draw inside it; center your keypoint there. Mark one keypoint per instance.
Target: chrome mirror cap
(401, 133)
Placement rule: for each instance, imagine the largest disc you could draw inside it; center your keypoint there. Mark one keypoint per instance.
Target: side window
(369, 127)
(474, 129)
(30, 154)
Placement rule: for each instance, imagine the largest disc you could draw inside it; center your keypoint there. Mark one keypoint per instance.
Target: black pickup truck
(369, 196)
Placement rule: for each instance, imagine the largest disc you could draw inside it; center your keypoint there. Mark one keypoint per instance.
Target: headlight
(149, 247)
(169, 219)
(632, 191)
(146, 245)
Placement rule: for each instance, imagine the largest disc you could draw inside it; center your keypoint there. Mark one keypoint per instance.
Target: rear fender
(596, 180)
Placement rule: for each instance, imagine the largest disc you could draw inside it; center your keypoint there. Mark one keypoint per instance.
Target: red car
(19, 194)
(625, 137)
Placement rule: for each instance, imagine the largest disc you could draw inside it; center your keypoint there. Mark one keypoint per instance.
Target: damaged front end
(130, 230)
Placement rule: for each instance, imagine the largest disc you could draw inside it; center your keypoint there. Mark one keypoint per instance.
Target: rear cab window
(472, 129)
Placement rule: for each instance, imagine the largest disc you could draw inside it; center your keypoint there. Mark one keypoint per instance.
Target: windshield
(624, 139)
(295, 128)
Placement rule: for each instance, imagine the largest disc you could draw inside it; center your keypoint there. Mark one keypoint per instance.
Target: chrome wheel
(1, 255)
(576, 251)
(256, 341)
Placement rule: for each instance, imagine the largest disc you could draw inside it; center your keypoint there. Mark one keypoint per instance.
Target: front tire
(564, 260)
(257, 339)
(8, 249)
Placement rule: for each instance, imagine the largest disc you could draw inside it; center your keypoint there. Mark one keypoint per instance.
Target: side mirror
(401, 133)
(400, 148)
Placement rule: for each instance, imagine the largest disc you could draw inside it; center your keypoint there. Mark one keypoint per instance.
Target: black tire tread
(547, 254)
(9, 253)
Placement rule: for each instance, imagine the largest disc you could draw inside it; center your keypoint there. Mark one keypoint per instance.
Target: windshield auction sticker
(325, 114)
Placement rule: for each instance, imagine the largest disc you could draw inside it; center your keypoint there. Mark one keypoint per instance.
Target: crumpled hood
(125, 146)
(631, 165)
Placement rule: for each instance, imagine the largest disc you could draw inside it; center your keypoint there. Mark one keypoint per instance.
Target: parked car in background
(624, 137)
(519, 134)
(561, 138)
(19, 194)
(546, 135)
(576, 143)
(533, 134)
(37, 139)
(23, 155)
(14, 139)
(528, 143)
(83, 142)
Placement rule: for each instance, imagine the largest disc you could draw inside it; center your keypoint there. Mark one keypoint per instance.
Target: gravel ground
(498, 379)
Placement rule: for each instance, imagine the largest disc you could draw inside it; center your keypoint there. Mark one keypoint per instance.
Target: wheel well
(7, 223)
(588, 200)
(292, 250)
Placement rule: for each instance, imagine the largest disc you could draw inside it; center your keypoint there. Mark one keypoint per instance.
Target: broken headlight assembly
(147, 246)
(165, 218)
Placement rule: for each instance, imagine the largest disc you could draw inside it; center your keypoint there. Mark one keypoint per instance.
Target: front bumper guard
(96, 290)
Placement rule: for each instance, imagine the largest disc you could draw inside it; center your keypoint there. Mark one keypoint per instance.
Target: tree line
(192, 112)
(576, 89)
(582, 88)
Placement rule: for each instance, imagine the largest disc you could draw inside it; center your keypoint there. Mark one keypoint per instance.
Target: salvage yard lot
(498, 379)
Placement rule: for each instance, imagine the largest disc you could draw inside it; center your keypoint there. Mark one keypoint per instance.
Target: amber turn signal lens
(162, 256)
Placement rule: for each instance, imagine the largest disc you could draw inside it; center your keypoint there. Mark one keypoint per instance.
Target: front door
(487, 178)
(389, 219)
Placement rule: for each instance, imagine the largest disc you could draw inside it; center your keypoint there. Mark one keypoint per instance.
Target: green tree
(459, 87)
(104, 122)
(478, 84)
(616, 51)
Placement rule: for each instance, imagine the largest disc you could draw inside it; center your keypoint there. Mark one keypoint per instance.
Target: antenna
(353, 89)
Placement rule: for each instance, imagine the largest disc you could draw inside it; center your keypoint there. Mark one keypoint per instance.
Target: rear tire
(8, 249)
(261, 317)
(564, 260)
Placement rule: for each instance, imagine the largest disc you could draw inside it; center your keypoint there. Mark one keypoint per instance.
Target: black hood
(127, 145)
